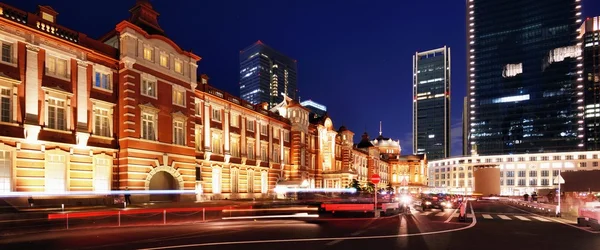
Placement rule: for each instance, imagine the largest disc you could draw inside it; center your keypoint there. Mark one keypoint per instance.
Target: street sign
(375, 178)
(559, 180)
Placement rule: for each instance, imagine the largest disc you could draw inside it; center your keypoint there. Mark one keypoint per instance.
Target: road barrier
(462, 216)
(540, 208)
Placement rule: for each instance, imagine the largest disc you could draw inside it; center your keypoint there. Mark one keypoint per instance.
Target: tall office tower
(266, 74)
(465, 128)
(590, 42)
(431, 103)
(523, 87)
(315, 108)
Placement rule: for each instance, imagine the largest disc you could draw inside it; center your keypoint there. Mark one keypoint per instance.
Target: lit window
(47, 17)
(178, 135)
(250, 125)
(250, 174)
(164, 60)
(234, 175)
(198, 139)
(148, 53)
(149, 88)
(263, 153)
(102, 122)
(148, 126)
(179, 97)
(216, 180)
(235, 120)
(216, 115)
(286, 136)
(102, 173)
(102, 80)
(5, 172)
(250, 151)
(56, 118)
(198, 108)
(7, 52)
(263, 129)
(286, 157)
(55, 173)
(276, 153)
(216, 144)
(56, 66)
(264, 182)
(5, 96)
(178, 67)
(234, 149)
(276, 133)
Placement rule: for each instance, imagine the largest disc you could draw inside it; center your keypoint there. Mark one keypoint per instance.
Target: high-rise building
(590, 39)
(465, 128)
(315, 108)
(266, 75)
(431, 103)
(523, 90)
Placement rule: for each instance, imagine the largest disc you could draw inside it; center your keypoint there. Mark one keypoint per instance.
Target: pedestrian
(127, 196)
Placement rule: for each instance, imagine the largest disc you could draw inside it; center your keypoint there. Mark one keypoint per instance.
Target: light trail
(86, 193)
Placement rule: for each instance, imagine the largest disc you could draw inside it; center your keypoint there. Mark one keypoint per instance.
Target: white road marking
(504, 217)
(440, 214)
(425, 213)
(473, 223)
(455, 215)
(522, 218)
(470, 216)
(487, 216)
(540, 219)
(555, 220)
(298, 215)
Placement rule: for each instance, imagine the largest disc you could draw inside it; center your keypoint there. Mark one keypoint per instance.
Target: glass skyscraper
(266, 74)
(524, 92)
(431, 103)
(590, 42)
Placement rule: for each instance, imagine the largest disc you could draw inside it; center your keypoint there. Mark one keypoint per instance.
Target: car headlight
(405, 199)
(448, 204)
(427, 203)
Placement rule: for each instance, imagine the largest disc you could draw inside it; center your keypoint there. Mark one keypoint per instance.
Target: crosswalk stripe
(425, 213)
(455, 215)
(440, 214)
(487, 216)
(541, 219)
(504, 217)
(522, 218)
(469, 215)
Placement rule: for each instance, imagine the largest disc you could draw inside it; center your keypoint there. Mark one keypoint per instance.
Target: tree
(356, 185)
(369, 188)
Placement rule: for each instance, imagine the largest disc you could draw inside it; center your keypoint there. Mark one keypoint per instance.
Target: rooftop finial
(379, 127)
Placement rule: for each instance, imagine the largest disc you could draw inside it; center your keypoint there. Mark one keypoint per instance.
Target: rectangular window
(5, 172)
(263, 153)
(235, 148)
(198, 109)
(286, 136)
(56, 66)
(178, 97)
(216, 115)
(532, 182)
(149, 88)
(178, 67)
(264, 182)
(250, 125)
(555, 172)
(164, 60)
(521, 173)
(5, 111)
(510, 182)
(7, 50)
(250, 173)
(56, 174)
(275, 133)
(56, 114)
(532, 173)
(263, 130)
(148, 53)
(286, 156)
(178, 134)
(148, 127)
(101, 122)
(275, 153)
(250, 150)
(102, 175)
(198, 139)
(216, 180)
(198, 174)
(216, 144)
(510, 173)
(102, 80)
(235, 177)
(235, 120)
(521, 182)
(545, 173)
(545, 182)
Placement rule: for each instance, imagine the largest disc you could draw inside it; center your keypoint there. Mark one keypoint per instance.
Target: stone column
(207, 135)
(81, 125)
(32, 86)
(226, 136)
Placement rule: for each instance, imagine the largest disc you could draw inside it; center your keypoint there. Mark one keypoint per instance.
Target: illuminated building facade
(519, 174)
(524, 90)
(315, 108)
(590, 42)
(129, 111)
(431, 103)
(265, 74)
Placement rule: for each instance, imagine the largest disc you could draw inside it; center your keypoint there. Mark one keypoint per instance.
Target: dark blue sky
(353, 56)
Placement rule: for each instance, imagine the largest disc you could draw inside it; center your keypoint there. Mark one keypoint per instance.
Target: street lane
(415, 231)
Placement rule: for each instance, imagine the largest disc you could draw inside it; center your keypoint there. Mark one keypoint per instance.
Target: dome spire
(379, 128)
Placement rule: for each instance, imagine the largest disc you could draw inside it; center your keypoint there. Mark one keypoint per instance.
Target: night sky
(353, 56)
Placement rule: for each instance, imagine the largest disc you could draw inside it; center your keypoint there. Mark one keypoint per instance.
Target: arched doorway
(163, 181)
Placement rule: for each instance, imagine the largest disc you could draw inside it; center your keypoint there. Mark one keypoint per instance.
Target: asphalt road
(493, 226)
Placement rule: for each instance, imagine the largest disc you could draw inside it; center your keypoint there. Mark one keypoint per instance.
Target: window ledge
(64, 78)
(57, 130)
(153, 97)
(102, 137)
(10, 124)
(102, 89)
(12, 64)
